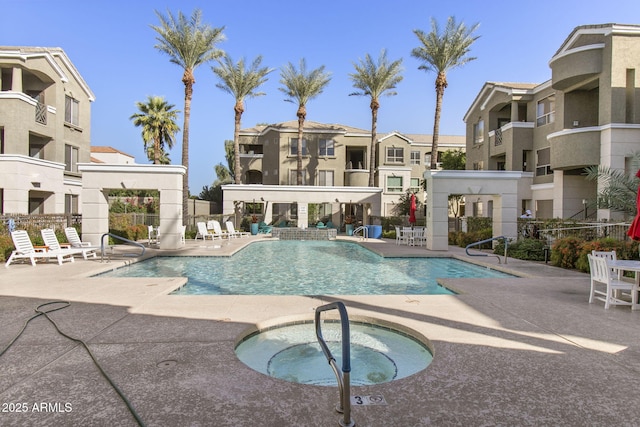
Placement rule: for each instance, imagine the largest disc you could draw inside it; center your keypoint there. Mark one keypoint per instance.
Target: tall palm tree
(189, 43)
(617, 189)
(241, 82)
(301, 86)
(375, 79)
(157, 118)
(163, 158)
(441, 52)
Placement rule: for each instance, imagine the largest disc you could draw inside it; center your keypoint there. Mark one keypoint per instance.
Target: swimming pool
(306, 268)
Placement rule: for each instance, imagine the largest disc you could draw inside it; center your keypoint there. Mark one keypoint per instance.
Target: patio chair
(420, 236)
(26, 250)
(232, 232)
(203, 233)
(263, 228)
(51, 240)
(75, 242)
(153, 234)
(217, 230)
(601, 273)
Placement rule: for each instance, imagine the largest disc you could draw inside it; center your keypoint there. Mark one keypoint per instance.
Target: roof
(108, 150)
(26, 52)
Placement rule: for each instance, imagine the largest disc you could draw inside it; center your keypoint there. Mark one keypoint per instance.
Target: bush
(565, 252)
(463, 239)
(526, 249)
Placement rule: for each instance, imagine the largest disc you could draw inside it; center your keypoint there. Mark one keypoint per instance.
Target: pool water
(306, 268)
(292, 353)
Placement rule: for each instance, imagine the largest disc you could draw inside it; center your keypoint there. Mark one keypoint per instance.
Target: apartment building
(45, 123)
(588, 113)
(336, 156)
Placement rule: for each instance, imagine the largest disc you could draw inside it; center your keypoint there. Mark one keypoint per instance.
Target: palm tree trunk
(441, 83)
(374, 135)
(238, 110)
(156, 150)
(302, 113)
(188, 81)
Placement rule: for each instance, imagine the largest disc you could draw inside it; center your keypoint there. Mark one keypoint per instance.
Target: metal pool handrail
(343, 377)
(504, 239)
(119, 238)
(365, 231)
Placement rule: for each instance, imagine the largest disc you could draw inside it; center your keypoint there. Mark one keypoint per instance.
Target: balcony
(575, 148)
(510, 137)
(576, 65)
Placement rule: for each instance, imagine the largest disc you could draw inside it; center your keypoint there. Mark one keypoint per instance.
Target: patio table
(621, 265)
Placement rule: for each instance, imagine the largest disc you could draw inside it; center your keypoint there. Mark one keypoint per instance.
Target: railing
(41, 113)
(506, 244)
(498, 137)
(115, 236)
(587, 231)
(343, 377)
(364, 229)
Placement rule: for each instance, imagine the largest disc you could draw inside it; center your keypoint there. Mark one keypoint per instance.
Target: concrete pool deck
(522, 351)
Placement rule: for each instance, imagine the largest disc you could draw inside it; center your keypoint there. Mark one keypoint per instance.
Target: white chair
(232, 232)
(26, 250)
(75, 242)
(153, 234)
(407, 236)
(420, 235)
(601, 273)
(51, 241)
(609, 256)
(203, 233)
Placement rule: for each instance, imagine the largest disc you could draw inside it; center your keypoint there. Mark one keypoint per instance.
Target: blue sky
(111, 44)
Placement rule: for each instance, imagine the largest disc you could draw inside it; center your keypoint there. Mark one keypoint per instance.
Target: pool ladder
(115, 236)
(343, 376)
(365, 231)
(503, 238)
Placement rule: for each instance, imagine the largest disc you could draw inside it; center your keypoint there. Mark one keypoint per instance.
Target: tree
(189, 43)
(441, 52)
(157, 120)
(454, 160)
(241, 83)
(618, 189)
(375, 80)
(301, 86)
(403, 207)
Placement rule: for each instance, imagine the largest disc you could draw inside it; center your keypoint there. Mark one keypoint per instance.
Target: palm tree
(617, 188)
(163, 158)
(189, 43)
(157, 120)
(375, 80)
(301, 86)
(241, 82)
(441, 52)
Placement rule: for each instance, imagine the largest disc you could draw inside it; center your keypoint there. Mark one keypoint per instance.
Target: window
(394, 184)
(326, 147)
(293, 177)
(415, 185)
(294, 147)
(395, 155)
(546, 111)
(543, 164)
(70, 204)
(478, 132)
(325, 178)
(71, 158)
(71, 111)
(415, 158)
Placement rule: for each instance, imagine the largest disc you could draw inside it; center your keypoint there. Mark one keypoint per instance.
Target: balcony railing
(498, 137)
(41, 113)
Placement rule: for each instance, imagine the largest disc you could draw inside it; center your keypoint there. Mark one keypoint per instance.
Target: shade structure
(412, 210)
(634, 229)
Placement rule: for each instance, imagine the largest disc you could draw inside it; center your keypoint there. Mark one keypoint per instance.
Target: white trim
(31, 160)
(131, 168)
(300, 188)
(542, 187)
(479, 174)
(568, 52)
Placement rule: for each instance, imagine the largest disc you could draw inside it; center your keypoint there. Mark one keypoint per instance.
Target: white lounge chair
(25, 250)
(203, 233)
(51, 240)
(217, 230)
(233, 232)
(75, 242)
(601, 273)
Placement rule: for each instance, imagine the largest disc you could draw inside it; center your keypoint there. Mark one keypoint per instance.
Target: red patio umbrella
(634, 229)
(412, 210)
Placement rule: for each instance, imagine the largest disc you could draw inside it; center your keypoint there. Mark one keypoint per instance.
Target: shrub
(526, 249)
(463, 239)
(565, 252)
